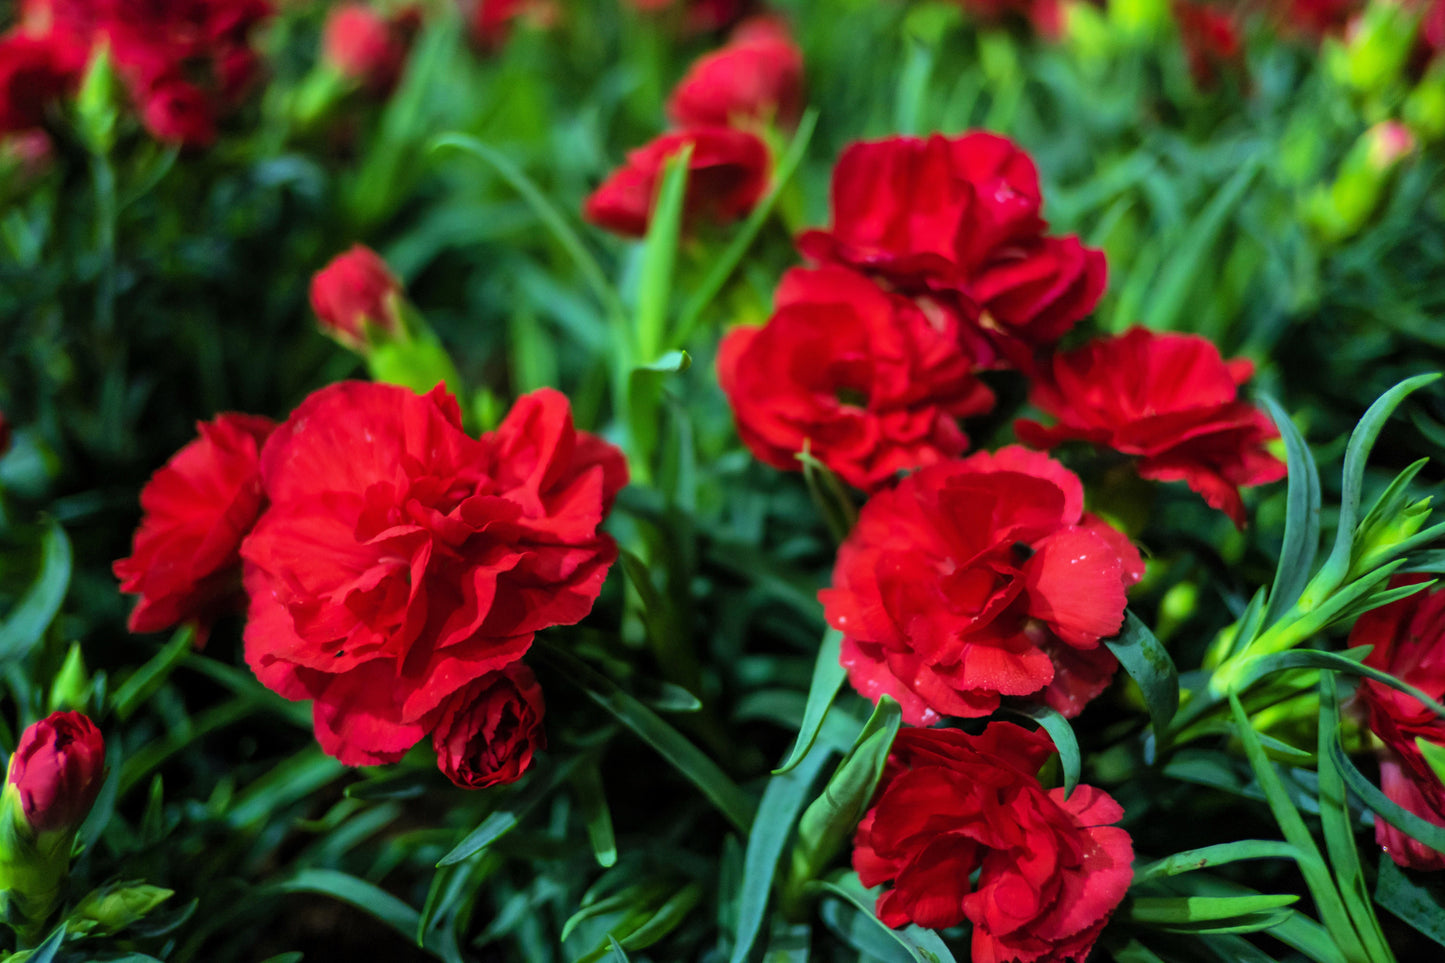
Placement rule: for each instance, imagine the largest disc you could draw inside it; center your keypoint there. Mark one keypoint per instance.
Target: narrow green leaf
(726, 263)
(1362, 440)
(45, 952)
(672, 362)
(540, 784)
(772, 827)
(1185, 266)
(143, 682)
(1136, 952)
(1301, 522)
(828, 678)
(360, 894)
(921, 945)
(618, 955)
(595, 812)
(1434, 754)
(665, 920)
(659, 253)
(832, 817)
(1347, 662)
(586, 264)
(789, 943)
(1311, 862)
(1407, 896)
(1174, 910)
(1059, 730)
(1148, 663)
(1208, 856)
(1421, 830)
(689, 760)
(1339, 831)
(297, 777)
(26, 623)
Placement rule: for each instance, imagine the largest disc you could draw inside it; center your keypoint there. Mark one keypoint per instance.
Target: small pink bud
(356, 289)
(1390, 140)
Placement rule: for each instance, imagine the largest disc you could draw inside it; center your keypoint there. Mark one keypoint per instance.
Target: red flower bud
(57, 769)
(758, 76)
(355, 289)
(363, 46)
(489, 730)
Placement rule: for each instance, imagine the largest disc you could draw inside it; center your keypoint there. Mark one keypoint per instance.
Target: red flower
(1169, 399)
(401, 560)
(1050, 870)
(489, 730)
(1211, 40)
(364, 46)
(977, 579)
(727, 175)
(757, 78)
(871, 382)
(698, 16)
(355, 290)
(961, 215)
(34, 73)
(185, 564)
(57, 769)
(1409, 643)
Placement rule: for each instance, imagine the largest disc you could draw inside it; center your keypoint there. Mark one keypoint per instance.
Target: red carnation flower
(757, 78)
(1169, 399)
(1050, 870)
(57, 769)
(872, 383)
(961, 215)
(400, 560)
(185, 564)
(1211, 38)
(355, 290)
(34, 73)
(1409, 643)
(489, 730)
(977, 579)
(726, 177)
(364, 46)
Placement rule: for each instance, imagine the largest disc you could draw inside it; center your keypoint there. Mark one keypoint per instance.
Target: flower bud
(115, 906)
(364, 47)
(71, 688)
(57, 770)
(1378, 43)
(490, 729)
(1341, 210)
(357, 291)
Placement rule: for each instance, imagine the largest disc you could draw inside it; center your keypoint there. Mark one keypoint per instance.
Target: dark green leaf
(659, 252)
(1059, 730)
(542, 782)
(1208, 856)
(362, 895)
(1417, 828)
(1301, 522)
(26, 623)
(1408, 896)
(595, 812)
(921, 945)
(828, 678)
(1148, 663)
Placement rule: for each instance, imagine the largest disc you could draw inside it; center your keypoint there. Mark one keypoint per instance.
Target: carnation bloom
(1050, 869)
(871, 383)
(1170, 400)
(961, 215)
(489, 730)
(57, 769)
(185, 564)
(34, 73)
(364, 46)
(727, 174)
(756, 78)
(355, 290)
(1409, 643)
(977, 579)
(400, 560)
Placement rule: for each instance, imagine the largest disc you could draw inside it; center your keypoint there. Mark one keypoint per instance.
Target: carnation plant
(702, 480)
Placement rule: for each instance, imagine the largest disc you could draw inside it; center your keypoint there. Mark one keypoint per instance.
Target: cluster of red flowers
(969, 580)
(720, 106)
(394, 569)
(185, 64)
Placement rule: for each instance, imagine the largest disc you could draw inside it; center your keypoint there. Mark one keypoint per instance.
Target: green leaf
(1311, 862)
(26, 623)
(143, 682)
(362, 895)
(1362, 440)
(1148, 663)
(595, 813)
(1417, 828)
(672, 362)
(618, 955)
(659, 253)
(689, 760)
(1208, 856)
(1301, 522)
(45, 952)
(1168, 912)
(561, 230)
(1408, 897)
(1059, 730)
(540, 784)
(726, 263)
(1434, 754)
(665, 920)
(1347, 662)
(297, 777)
(773, 825)
(1339, 830)
(832, 817)
(828, 678)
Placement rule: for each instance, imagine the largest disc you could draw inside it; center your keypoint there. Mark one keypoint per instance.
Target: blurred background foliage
(146, 288)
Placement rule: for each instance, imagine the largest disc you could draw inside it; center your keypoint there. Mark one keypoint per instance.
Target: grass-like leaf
(1148, 663)
(1301, 521)
(542, 782)
(828, 678)
(26, 623)
(1409, 898)
(1059, 730)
